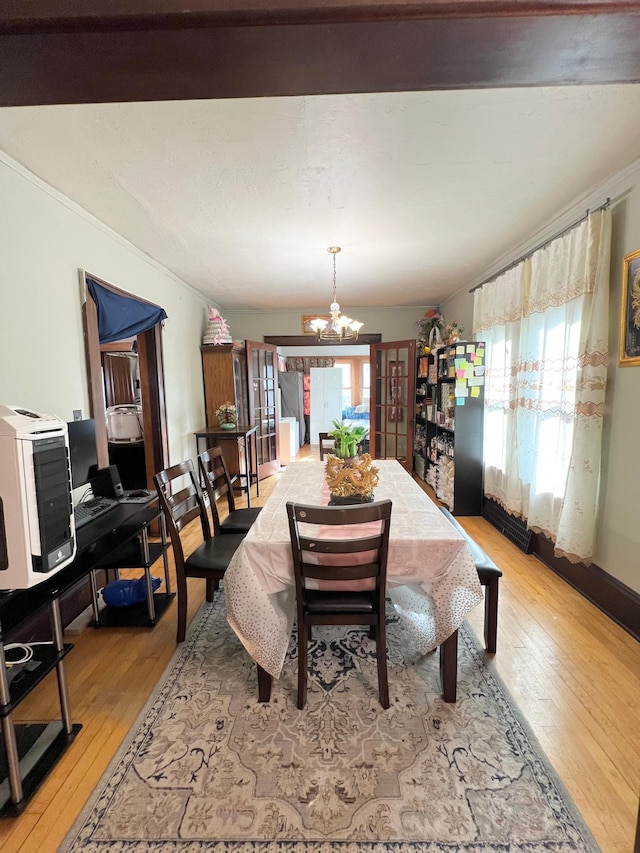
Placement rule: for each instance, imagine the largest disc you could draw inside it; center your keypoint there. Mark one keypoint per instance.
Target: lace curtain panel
(545, 323)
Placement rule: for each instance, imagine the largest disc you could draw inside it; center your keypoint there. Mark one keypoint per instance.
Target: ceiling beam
(142, 50)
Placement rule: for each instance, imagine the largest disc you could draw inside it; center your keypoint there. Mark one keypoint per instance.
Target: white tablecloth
(431, 577)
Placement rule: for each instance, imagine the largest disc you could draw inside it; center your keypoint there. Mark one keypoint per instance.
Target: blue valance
(121, 317)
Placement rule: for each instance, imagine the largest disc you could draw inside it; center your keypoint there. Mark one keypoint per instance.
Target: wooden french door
(393, 394)
(262, 379)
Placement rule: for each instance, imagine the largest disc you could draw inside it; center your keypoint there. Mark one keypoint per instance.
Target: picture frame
(630, 311)
(307, 319)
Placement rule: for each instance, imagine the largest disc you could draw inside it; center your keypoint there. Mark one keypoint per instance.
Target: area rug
(206, 767)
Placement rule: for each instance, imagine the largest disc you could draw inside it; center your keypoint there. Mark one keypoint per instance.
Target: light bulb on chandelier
(339, 328)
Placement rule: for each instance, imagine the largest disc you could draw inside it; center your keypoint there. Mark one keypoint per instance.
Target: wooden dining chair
(181, 504)
(326, 444)
(218, 485)
(326, 559)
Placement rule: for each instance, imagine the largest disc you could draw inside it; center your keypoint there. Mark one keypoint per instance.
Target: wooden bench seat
(489, 575)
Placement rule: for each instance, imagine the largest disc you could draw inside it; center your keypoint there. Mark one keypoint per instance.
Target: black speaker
(106, 483)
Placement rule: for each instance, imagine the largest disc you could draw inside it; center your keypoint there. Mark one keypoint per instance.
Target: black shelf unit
(448, 441)
(46, 657)
(131, 555)
(28, 751)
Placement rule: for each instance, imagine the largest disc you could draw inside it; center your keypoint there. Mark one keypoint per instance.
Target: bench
(489, 575)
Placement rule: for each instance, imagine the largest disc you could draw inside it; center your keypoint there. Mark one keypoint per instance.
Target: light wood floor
(574, 674)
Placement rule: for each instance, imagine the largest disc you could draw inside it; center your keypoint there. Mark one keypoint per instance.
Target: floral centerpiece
(351, 477)
(227, 415)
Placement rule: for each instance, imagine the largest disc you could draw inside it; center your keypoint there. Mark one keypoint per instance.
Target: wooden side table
(248, 436)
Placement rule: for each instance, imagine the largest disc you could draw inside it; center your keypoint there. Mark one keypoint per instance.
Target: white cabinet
(326, 400)
(289, 440)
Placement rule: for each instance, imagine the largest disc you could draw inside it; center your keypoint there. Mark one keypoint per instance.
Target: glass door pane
(262, 364)
(392, 399)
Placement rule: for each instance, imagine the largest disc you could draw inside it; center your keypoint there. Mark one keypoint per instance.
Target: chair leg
(372, 632)
(381, 654)
(212, 585)
(491, 616)
(302, 666)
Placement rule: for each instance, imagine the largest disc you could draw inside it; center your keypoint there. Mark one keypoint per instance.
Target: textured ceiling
(424, 191)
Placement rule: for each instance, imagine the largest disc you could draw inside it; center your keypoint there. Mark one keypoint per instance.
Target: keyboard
(89, 510)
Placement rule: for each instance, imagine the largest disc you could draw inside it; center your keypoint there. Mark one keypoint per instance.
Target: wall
(618, 527)
(44, 239)
(394, 324)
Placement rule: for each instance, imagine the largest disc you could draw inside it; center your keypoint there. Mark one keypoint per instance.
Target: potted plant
(347, 438)
(227, 415)
(351, 477)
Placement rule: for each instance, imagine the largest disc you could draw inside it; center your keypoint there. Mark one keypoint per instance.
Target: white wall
(618, 527)
(44, 239)
(394, 324)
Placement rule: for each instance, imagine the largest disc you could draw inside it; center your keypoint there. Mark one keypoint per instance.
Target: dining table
(432, 580)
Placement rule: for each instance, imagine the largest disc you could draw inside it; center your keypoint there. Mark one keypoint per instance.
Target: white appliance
(37, 531)
(326, 400)
(289, 440)
(124, 423)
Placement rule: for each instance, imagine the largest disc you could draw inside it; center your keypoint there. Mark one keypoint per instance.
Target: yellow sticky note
(475, 391)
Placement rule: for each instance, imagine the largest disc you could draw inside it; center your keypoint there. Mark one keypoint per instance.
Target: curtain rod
(541, 245)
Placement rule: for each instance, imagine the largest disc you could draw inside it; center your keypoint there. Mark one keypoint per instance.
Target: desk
(31, 750)
(431, 577)
(248, 436)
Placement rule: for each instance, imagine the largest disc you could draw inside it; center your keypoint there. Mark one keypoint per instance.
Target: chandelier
(339, 328)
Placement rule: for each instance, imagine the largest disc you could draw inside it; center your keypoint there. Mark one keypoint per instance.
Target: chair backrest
(325, 439)
(217, 482)
(181, 503)
(350, 554)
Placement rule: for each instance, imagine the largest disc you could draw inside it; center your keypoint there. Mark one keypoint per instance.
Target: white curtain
(545, 323)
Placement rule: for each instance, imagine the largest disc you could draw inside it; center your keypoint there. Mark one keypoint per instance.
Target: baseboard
(84, 619)
(618, 601)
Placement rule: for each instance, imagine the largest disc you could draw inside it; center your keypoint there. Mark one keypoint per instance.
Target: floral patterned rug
(206, 767)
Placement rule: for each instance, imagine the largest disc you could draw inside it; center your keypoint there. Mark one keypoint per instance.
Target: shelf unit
(448, 438)
(224, 371)
(28, 751)
(136, 552)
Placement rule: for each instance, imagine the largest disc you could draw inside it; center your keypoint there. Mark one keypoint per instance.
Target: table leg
(264, 684)
(449, 667)
(249, 467)
(255, 463)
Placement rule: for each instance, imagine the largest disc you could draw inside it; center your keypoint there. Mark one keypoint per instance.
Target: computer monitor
(83, 453)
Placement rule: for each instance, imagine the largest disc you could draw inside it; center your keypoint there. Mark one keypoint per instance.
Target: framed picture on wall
(307, 320)
(630, 310)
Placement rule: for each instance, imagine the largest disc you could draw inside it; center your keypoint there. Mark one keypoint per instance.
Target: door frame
(152, 384)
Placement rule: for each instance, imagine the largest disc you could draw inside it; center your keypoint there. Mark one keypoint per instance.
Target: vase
(349, 461)
(227, 426)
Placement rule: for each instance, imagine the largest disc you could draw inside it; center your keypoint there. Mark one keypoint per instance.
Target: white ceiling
(424, 191)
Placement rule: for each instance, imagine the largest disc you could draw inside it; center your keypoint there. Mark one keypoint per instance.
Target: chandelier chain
(339, 327)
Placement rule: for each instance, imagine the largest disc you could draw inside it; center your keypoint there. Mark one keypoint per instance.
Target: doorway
(150, 367)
